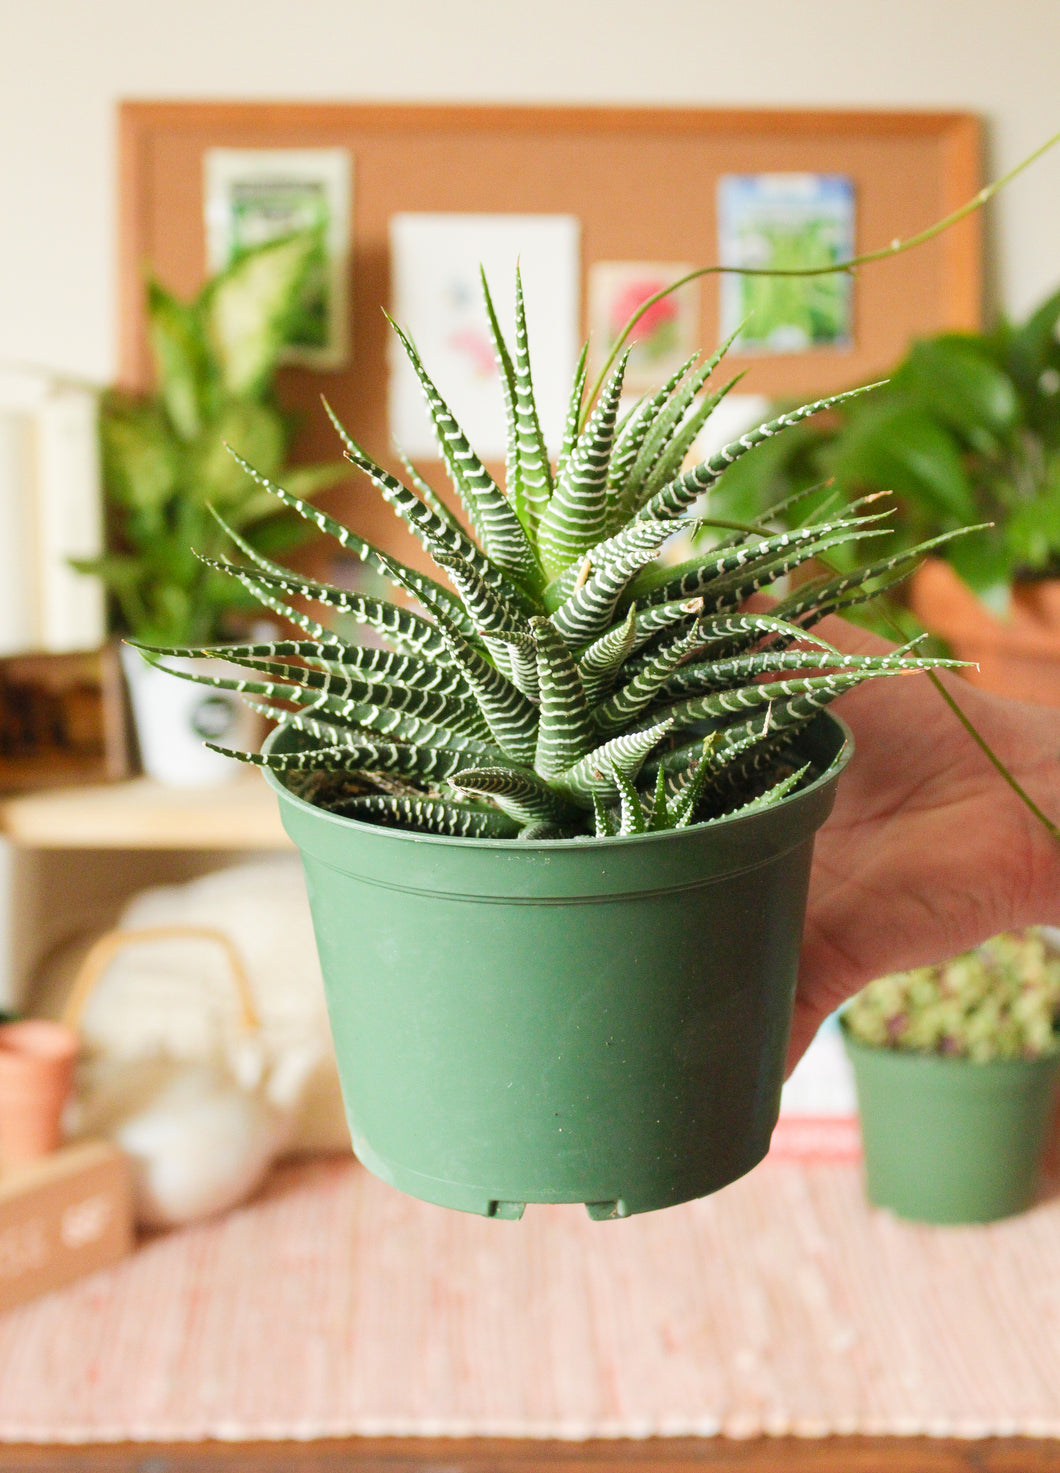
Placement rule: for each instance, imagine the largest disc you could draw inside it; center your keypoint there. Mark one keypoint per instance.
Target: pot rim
(799, 798)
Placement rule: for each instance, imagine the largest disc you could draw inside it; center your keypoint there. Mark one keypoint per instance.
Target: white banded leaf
(704, 676)
(638, 693)
(574, 410)
(675, 499)
(346, 538)
(576, 514)
(429, 816)
(742, 699)
(494, 519)
(628, 752)
(517, 791)
(566, 731)
(590, 608)
(509, 714)
(767, 799)
(403, 627)
(599, 665)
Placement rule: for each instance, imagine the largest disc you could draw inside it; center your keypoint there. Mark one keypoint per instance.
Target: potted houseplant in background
(571, 763)
(956, 1067)
(967, 430)
(165, 470)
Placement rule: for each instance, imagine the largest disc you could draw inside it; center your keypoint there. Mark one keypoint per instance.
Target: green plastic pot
(947, 1140)
(597, 1021)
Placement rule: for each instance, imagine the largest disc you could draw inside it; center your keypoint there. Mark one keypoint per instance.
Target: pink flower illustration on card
(667, 333)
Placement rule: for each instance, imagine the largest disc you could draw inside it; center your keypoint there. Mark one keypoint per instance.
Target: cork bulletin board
(642, 184)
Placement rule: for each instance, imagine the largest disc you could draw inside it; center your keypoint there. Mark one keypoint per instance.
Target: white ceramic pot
(174, 718)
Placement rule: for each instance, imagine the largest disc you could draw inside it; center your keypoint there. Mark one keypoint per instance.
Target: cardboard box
(61, 1217)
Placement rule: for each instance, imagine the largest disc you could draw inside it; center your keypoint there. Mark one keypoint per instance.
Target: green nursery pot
(947, 1140)
(601, 1021)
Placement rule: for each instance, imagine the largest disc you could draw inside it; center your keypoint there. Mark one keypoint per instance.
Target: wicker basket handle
(102, 952)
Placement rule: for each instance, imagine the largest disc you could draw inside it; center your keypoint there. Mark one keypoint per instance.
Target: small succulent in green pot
(999, 1001)
(568, 678)
(163, 453)
(957, 1068)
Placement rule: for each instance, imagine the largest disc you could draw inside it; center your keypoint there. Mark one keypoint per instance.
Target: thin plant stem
(988, 752)
(1052, 829)
(896, 248)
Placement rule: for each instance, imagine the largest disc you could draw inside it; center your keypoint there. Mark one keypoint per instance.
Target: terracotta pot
(36, 1076)
(1018, 656)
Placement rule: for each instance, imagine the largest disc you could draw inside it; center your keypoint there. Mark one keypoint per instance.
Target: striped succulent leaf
(576, 515)
(430, 815)
(558, 679)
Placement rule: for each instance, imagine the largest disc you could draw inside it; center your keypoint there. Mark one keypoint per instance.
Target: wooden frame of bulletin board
(642, 184)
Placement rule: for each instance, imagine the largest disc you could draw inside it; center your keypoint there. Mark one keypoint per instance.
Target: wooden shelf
(141, 814)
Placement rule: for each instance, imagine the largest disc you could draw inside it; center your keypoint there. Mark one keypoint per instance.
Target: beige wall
(65, 63)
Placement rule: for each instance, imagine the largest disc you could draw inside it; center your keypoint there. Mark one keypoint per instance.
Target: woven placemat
(335, 1306)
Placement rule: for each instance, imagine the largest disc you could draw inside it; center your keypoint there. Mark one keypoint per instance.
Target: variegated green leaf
(513, 474)
(577, 510)
(496, 524)
(593, 773)
(675, 499)
(406, 629)
(738, 701)
(629, 440)
(528, 470)
(673, 429)
(425, 490)
(430, 816)
(631, 817)
(516, 791)
(770, 797)
(574, 411)
(590, 608)
(700, 677)
(676, 452)
(364, 722)
(689, 579)
(827, 595)
(736, 630)
(488, 611)
(430, 764)
(368, 554)
(565, 726)
(600, 664)
(637, 694)
(681, 808)
(510, 716)
(606, 822)
(311, 759)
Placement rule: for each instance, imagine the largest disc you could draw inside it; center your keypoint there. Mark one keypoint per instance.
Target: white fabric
(177, 997)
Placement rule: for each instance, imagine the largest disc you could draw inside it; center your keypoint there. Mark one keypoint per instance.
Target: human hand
(928, 851)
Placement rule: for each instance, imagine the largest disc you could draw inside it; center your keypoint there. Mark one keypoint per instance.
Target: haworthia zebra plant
(576, 682)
